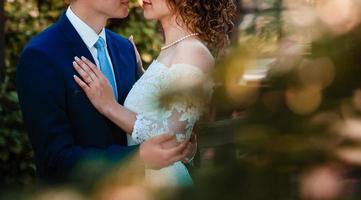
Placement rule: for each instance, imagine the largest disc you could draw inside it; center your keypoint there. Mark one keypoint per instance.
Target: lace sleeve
(184, 96)
(180, 123)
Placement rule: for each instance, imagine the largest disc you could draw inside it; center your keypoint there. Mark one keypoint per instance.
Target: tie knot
(100, 43)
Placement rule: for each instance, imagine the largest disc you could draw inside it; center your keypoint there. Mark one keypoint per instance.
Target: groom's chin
(125, 13)
(122, 13)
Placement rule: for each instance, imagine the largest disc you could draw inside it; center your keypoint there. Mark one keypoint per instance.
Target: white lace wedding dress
(168, 99)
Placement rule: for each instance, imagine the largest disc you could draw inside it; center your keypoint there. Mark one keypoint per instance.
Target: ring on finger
(89, 80)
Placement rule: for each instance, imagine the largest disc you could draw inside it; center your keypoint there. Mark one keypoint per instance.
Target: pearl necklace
(178, 41)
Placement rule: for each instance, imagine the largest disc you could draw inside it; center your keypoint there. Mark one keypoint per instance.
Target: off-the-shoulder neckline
(177, 64)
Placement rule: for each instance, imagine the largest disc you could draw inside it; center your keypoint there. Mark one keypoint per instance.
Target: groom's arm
(42, 97)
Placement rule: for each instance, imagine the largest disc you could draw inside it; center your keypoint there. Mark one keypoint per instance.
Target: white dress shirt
(89, 36)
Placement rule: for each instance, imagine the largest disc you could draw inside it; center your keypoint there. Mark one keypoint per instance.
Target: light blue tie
(105, 66)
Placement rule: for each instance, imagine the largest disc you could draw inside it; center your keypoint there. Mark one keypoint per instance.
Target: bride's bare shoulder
(193, 52)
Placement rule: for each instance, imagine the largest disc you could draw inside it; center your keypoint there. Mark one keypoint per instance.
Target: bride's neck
(172, 31)
(92, 18)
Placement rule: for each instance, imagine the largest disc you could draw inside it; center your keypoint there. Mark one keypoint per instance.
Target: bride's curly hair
(213, 20)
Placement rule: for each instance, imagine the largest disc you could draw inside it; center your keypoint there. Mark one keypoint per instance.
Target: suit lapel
(78, 46)
(80, 49)
(118, 64)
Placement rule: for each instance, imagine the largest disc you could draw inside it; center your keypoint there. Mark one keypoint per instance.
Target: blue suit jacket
(63, 126)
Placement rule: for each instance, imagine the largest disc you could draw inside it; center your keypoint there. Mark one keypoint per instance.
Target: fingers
(170, 143)
(92, 66)
(84, 70)
(82, 84)
(82, 73)
(165, 138)
(194, 140)
(178, 150)
(182, 154)
(187, 153)
(167, 156)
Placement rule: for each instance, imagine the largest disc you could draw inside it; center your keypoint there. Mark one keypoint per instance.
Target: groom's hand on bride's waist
(192, 149)
(162, 151)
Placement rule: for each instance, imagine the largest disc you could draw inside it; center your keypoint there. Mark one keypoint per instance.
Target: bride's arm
(140, 127)
(178, 119)
(121, 116)
(100, 93)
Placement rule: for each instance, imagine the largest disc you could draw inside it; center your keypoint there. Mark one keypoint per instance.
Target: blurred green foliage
(287, 126)
(24, 19)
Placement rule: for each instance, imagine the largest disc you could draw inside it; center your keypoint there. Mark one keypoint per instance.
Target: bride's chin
(148, 17)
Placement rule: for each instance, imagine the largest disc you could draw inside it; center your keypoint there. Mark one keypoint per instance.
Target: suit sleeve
(42, 96)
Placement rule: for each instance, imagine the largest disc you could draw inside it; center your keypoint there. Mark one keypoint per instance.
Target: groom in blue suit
(63, 126)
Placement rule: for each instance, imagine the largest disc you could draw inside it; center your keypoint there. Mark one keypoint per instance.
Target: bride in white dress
(175, 90)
